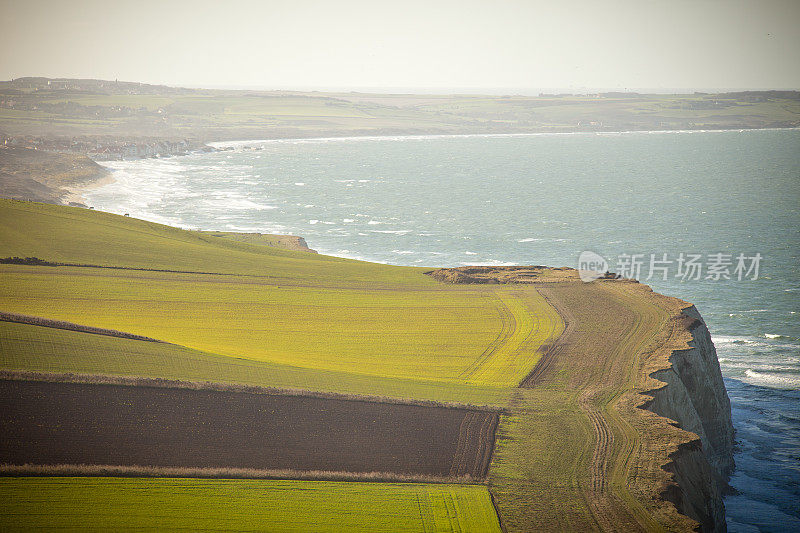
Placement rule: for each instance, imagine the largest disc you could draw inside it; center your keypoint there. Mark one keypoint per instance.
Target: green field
(237, 311)
(122, 504)
(320, 313)
(88, 237)
(40, 349)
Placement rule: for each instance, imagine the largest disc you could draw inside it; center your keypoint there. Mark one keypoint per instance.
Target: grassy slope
(84, 236)
(292, 308)
(552, 470)
(180, 504)
(426, 334)
(301, 320)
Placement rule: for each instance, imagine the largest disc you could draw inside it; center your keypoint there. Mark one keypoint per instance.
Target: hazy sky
(432, 44)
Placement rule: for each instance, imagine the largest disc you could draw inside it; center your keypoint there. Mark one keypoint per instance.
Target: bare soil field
(49, 423)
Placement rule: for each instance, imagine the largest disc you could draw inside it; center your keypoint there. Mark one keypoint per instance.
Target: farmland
(247, 314)
(123, 504)
(56, 423)
(40, 349)
(480, 335)
(583, 394)
(563, 361)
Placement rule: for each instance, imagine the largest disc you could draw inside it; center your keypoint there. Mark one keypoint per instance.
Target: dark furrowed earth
(50, 423)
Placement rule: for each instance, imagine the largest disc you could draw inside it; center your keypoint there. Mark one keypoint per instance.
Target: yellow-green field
(244, 313)
(396, 323)
(122, 504)
(41, 349)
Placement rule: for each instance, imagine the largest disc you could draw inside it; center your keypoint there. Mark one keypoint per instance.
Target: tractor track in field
(509, 326)
(559, 346)
(604, 441)
(475, 442)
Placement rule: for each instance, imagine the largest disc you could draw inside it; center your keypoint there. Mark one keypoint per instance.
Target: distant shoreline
(73, 194)
(227, 145)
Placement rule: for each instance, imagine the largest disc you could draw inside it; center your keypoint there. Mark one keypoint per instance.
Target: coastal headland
(517, 398)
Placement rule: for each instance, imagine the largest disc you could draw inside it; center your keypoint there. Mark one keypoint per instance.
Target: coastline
(73, 194)
(233, 144)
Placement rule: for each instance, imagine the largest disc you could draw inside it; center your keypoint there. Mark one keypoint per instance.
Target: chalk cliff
(695, 398)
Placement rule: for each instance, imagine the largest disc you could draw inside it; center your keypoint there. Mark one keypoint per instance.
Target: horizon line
(426, 90)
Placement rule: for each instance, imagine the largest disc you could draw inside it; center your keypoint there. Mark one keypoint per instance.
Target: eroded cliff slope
(695, 397)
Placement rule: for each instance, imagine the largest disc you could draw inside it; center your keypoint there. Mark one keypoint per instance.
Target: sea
(712, 217)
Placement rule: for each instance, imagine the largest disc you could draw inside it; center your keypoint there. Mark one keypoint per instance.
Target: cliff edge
(638, 367)
(694, 396)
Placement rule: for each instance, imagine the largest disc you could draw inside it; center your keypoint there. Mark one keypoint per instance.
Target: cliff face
(695, 397)
(27, 174)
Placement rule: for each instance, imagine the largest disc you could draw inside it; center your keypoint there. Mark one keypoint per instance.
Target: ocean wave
(758, 367)
(731, 340)
(235, 204)
(778, 336)
(751, 344)
(543, 239)
(773, 380)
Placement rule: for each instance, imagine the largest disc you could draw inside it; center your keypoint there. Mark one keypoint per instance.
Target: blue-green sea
(720, 198)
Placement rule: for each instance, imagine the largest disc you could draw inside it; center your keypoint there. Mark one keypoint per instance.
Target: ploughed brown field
(50, 423)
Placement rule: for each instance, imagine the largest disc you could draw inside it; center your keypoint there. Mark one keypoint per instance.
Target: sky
(500, 45)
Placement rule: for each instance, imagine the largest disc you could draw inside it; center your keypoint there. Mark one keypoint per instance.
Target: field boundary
(35, 261)
(87, 470)
(71, 326)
